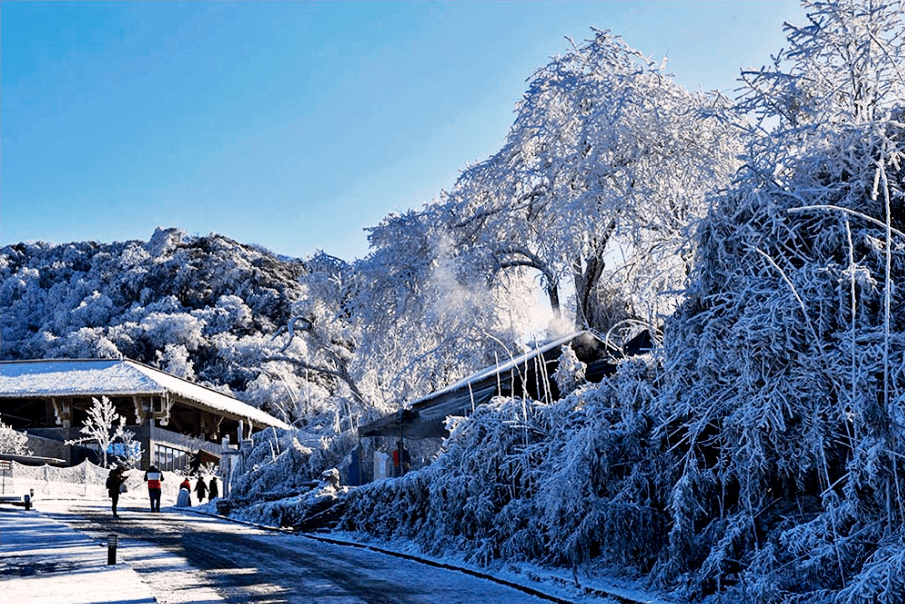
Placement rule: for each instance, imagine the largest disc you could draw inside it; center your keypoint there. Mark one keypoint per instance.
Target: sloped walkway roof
(426, 416)
(98, 377)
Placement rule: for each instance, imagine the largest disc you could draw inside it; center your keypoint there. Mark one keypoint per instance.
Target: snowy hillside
(202, 308)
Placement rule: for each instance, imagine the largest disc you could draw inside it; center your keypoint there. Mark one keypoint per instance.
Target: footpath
(43, 561)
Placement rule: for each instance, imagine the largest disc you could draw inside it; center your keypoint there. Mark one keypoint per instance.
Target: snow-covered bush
(285, 462)
(12, 441)
(519, 479)
(785, 369)
(317, 507)
(570, 372)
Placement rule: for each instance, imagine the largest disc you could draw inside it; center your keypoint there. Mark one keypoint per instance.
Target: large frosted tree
(594, 195)
(603, 176)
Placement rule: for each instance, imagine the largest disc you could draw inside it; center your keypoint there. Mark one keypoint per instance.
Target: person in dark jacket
(154, 478)
(115, 480)
(213, 491)
(201, 489)
(402, 460)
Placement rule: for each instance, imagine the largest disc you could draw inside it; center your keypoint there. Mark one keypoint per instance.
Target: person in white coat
(184, 499)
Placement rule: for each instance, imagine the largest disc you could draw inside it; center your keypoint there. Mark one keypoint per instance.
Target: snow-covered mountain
(202, 308)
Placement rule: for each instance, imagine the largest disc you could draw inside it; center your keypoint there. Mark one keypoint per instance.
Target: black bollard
(111, 548)
(27, 502)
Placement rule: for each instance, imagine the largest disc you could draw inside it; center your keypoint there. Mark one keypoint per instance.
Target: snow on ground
(46, 561)
(559, 583)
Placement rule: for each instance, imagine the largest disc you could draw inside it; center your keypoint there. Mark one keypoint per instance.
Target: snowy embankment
(523, 481)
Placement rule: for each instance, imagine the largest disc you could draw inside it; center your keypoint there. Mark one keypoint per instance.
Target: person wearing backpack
(114, 484)
(184, 499)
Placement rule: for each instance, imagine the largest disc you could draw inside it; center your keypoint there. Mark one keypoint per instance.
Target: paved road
(186, 557)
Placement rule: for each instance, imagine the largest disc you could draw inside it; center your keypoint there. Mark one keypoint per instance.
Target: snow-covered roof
(96, 377)
(425, 417)
(499, 368)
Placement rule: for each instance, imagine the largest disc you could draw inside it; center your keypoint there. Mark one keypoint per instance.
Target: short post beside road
(112, 538)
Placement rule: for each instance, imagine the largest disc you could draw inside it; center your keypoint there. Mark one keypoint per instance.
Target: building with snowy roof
(415, 431)
(529, 374)
(173, 419)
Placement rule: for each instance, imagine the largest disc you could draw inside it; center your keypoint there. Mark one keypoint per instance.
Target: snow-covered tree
(602, 178)
(427, 318)
(319, 341)
(785, 381)
(105, 426)
(13, 441)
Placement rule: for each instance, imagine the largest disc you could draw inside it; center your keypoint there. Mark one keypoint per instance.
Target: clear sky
(295, 125)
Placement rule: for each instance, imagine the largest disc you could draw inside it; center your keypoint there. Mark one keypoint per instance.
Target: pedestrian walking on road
(154, 477)
(201, 489)
(115, 480)
(213, 491)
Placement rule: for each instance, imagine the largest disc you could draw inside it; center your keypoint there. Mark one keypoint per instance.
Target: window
(169, 458)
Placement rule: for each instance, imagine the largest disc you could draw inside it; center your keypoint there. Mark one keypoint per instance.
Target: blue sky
(294, 125)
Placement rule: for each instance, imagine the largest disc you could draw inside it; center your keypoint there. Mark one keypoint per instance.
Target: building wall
(163, 445)
(41, 446)
(49, 442)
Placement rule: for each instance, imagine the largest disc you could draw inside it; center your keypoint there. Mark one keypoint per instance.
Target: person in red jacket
(154, 477)
(184, 499)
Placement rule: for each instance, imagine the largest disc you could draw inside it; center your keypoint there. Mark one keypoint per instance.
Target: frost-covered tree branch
(12, 441)
(105, 426)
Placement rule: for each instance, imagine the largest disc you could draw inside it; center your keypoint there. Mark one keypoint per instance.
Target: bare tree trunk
(586, 273)
(553, 296)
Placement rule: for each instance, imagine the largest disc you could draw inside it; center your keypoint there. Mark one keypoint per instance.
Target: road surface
(186, 557)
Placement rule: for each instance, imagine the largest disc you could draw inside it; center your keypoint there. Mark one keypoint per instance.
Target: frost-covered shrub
(784, 368)
(285, 462)
(882, 579)
(318, 506)
(523, 480)
(570, 372)
(13, 441)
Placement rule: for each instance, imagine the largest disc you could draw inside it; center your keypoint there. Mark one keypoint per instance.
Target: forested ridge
(198, 307)
(756, 455)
